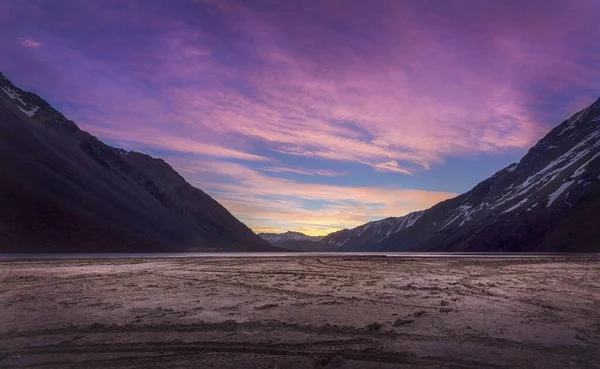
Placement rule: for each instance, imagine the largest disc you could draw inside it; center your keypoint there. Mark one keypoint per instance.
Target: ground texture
(301, 312)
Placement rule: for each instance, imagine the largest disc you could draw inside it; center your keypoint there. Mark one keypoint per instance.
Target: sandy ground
(301, 312)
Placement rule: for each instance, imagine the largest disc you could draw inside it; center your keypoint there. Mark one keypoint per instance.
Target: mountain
(63, 190)
(549, 201)
(363, 237)
(297, 241)
(288, 236)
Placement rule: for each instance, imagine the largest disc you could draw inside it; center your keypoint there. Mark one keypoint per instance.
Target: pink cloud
(391, 166)
(27, 42)
(179, 144)
(308, 172)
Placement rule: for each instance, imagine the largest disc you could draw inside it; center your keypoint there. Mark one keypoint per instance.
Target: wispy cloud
(153, 139)
(27, 42)
(391, 166)
(307, 172)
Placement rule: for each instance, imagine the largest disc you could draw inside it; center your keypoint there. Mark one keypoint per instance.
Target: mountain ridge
(141, 202)
(545, 202)
(375, 231)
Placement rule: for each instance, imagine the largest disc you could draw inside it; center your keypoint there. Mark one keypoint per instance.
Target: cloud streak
(307, 172)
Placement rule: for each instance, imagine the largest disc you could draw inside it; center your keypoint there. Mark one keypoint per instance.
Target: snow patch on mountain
(13, 94)
(546, 175)
(514, 207)
(343, 243)
(405, 222)
(31, 112)
(364, 229)
(18, 101)
(554, 195)
(581, 169)
(464, 212)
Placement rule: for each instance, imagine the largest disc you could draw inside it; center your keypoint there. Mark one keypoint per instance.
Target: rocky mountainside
(549, 201)
(298, 241)
(363, 237)
(63, 190)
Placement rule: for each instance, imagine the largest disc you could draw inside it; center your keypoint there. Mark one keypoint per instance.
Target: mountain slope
(63, 190)
(549, 201)
(298, 241)
(363, 237)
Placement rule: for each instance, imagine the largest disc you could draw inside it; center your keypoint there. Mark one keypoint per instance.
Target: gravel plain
(301, 312)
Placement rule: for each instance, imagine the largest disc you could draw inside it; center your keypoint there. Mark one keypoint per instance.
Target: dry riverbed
(301, 312)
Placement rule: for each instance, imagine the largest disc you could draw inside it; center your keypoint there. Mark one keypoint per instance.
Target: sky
(312, 115)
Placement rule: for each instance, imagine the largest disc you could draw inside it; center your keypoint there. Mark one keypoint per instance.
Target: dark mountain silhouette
(63, 190)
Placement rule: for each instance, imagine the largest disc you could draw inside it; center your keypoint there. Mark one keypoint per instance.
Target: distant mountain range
(298, 241)
(63, 190)
(549, 201)
(288, 236)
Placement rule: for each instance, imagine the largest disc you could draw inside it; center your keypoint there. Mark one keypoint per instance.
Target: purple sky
(312, 115)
